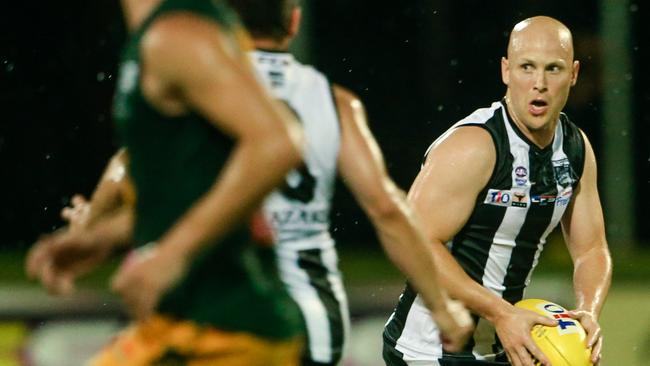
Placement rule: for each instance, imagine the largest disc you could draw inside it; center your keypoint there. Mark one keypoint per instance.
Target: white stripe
(420, 338)
(503, 243)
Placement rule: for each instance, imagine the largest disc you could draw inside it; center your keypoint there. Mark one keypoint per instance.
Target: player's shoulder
(346, 99)
(180, 32)
(472, 139)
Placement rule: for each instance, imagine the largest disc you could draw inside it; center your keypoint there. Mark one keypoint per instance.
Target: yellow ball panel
(563, 345)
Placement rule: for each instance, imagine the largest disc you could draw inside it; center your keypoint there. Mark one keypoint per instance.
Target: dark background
(419, 66)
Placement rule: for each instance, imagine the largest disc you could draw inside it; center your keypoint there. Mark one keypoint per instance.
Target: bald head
(543, 32)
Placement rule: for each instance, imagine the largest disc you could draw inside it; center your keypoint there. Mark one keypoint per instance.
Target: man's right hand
(455, 323)
(513, 328)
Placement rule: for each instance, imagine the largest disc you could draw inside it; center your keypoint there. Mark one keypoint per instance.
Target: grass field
(374, 285)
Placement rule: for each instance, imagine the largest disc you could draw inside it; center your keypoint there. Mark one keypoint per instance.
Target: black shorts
(393, 357)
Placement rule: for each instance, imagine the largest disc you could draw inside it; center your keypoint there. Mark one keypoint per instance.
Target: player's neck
(136, 11)
(271, 44)
(541, 137)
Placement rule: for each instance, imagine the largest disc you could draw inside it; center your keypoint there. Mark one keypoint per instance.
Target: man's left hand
(594, 336)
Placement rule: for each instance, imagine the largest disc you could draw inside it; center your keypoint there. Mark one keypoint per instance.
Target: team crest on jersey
(564, 174)
(506, 198)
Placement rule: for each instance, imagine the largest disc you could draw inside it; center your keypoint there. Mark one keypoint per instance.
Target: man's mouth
(537, 107)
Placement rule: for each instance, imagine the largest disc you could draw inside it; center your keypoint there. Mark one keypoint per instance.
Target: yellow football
(563, 345)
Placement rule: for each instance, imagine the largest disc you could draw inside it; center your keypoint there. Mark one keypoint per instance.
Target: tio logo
(501, 197)
(565, 323)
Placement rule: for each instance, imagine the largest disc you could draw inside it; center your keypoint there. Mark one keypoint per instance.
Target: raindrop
(9, 66)
(47, 157)
(101, 76)
(45, 208)
(460, 81)
(406, 41)
(634, 8)
(440, 108)
(349, 70)
(453, 62)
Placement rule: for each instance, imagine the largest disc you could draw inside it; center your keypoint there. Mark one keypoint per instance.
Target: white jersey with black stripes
(500, 244)
(298, 212)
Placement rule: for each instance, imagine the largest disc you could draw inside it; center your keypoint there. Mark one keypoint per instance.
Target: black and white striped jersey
(500, 244)
(298, 213)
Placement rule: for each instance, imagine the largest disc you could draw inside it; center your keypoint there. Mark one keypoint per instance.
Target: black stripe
(392, 357)
(538, 218)
(393, 330)
(471, 246)
(573, 145)
(311, 262)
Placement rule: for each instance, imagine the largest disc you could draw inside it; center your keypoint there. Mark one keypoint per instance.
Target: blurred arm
(108, 215)
(189, 56)
(363, 170)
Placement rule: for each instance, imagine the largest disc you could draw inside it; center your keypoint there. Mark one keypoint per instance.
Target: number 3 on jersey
(299, 183)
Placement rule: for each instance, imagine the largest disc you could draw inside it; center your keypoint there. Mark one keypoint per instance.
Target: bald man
(490, 191)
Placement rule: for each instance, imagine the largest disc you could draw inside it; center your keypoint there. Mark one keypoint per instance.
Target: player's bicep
(457, 168)
(583, 224)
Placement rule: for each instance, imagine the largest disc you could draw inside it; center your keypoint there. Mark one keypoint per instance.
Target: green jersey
(173, 162)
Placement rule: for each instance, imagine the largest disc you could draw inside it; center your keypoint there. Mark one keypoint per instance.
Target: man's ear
(505, 70)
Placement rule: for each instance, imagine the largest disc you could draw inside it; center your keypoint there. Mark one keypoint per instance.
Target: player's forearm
(407, 249)
(253, 170)
(109, 193)
(403, 240)
(461, 287)
(592, 277)
(114, 230)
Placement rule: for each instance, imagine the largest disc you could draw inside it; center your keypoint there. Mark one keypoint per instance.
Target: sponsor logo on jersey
(506, 198)
(521, 175)
(543, 199)
(561, 199)
(298, 216)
